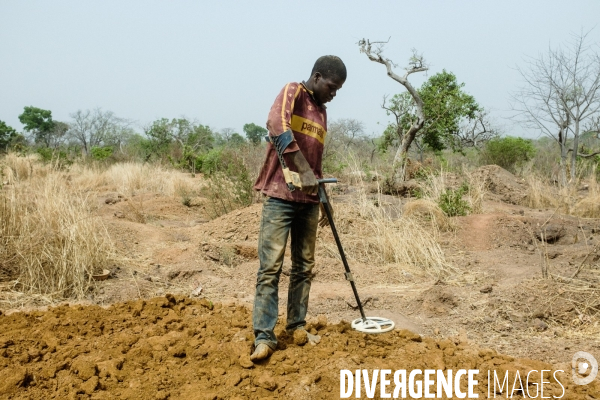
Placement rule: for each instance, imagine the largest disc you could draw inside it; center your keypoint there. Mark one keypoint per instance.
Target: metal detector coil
(373, 325)
(364, 324)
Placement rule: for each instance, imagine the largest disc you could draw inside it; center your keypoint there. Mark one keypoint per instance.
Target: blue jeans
(279, 218)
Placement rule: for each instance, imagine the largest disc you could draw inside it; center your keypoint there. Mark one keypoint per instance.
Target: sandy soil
(176, 347)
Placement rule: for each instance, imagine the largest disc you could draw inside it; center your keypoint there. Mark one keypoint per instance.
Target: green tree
(159, 137)
(180, 140)
(7, 134)
(508, 152)
(39, 123)
(236, 140)
(101, 153)
(255, 133)
(201, 138)
(445, 105)
(163, 132)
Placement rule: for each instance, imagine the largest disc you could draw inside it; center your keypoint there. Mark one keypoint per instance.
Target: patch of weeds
(186, 193)
(186, 201)
(229, 185)
(186, 197)
(424, 173)
(136, 211)
(333, 165)
(228, 255)
(452, 203)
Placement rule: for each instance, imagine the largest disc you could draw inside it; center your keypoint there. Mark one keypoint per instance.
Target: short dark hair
(330, 67)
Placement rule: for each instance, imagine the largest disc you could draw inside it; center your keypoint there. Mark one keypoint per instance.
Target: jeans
(279, 218)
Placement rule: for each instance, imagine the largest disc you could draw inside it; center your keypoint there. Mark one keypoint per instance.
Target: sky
(222, 63)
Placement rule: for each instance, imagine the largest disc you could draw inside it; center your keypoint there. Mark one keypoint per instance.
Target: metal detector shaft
(326, 205)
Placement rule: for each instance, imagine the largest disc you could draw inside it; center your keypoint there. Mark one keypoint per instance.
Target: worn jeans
(279, 218)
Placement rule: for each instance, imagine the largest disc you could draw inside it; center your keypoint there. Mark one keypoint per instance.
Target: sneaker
(261, 352)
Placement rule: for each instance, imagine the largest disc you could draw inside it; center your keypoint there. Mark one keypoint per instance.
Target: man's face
(325, 89)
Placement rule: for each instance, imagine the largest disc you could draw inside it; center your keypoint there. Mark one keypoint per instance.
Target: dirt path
(475, 232)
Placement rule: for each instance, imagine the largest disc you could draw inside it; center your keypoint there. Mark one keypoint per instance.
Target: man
(298, 123)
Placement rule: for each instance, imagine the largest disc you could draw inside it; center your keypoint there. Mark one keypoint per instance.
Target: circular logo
(584, 367)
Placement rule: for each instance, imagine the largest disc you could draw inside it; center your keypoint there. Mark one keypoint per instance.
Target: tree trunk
(563, 165)
(575, 149)
(402, 153)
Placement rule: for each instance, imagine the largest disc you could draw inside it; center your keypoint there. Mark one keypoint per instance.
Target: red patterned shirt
(294, 109)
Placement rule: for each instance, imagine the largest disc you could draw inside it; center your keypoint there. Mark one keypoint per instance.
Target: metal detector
(363, 324)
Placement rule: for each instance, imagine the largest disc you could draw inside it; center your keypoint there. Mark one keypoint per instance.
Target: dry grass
(571, 304)
(373, 234)
(567, 200)
(477, 191)
(428, 210)
(132, 179)
(589, 207)
(51, 243)
(127, 178)
(540, 195)
(15, 168)
(435, 185)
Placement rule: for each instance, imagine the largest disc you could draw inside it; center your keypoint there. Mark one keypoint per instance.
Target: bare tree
(560, 95)
(374, 51)
(593, 126)
(96, 128)
(57, 136)
(227, 133)
(341, 135)
(477, 131)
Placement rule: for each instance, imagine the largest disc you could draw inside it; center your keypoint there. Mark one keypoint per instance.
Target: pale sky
(223, 62)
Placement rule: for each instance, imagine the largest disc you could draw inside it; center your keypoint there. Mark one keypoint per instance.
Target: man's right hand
(307, 176)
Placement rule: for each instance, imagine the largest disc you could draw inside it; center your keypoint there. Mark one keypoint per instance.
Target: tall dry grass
(50, 241)
(435, 185)
(424, 209)
(131, 179)
(540, 194)
(477, 191)
(589, 206)
(569, 199)
(373, 235)
(15, 168)
(379, 235)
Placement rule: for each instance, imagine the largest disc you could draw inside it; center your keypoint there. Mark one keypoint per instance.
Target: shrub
(508, 152)
(59, 158)
(333, 166)
(101, 153)
(229, 185)
(452, 203)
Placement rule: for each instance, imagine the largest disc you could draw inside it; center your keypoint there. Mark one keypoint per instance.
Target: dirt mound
(176, 347)
(504, 185)
(239, 225)
(438, 301)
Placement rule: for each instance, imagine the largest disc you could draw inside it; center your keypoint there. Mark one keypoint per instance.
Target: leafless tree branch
(416, 64)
